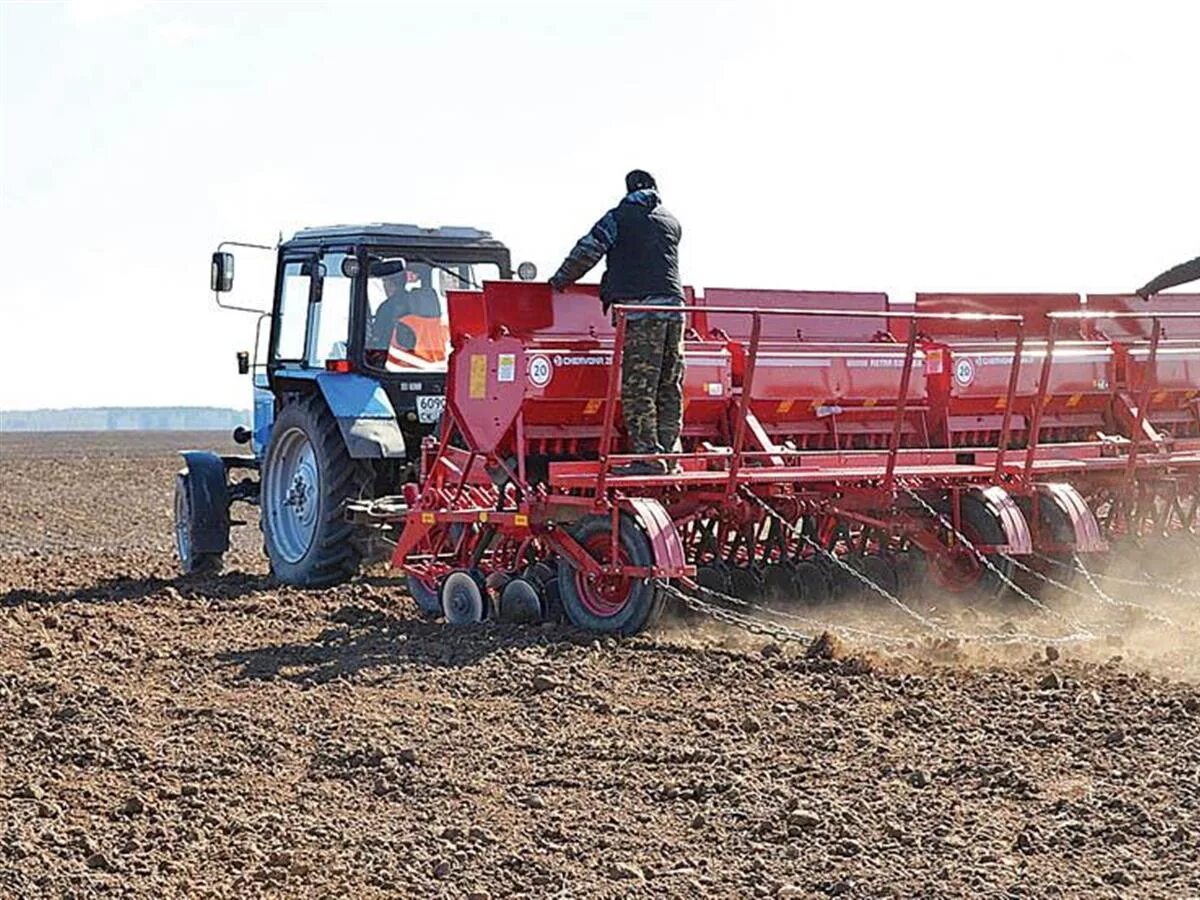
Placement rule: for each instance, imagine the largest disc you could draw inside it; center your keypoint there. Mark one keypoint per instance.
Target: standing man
(1180, 274)
(641, 242)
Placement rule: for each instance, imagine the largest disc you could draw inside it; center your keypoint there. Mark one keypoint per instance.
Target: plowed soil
(226, 736)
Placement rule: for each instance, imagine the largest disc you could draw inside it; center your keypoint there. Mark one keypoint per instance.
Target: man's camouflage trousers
(652, 383)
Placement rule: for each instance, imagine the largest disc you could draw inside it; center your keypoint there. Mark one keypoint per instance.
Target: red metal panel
(983, 369)
(1172, 388)
(1178, 368)
(1088, 538)
(844, 389)
(466, 313)
(533, 309)
(568, 346)
(793, 328)
(1125, 330)
(1032, 306)
(973, 391)
(1005, 509)
(669, 556)
(836, 372)
(566, 382)
(485, 387)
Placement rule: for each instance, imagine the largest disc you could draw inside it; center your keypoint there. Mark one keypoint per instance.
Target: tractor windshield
(407, 327)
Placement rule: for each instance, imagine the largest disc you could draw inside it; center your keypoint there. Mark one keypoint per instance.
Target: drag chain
(729, 617)
(1100, 594)
(883, 592)
(1079, 569)
(1082, 634)
(941, 630)
(694, 603)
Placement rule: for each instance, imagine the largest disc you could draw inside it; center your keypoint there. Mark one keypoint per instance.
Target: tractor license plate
(429, 409)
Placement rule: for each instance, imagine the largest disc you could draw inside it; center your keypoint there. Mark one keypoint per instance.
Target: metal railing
(1149, 382)
(752, 350)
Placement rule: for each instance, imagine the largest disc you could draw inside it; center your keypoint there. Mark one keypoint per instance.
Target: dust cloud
(1112, 612)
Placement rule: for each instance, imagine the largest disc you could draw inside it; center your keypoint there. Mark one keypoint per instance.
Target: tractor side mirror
(221, 277)
(243, 359)
(527, 271)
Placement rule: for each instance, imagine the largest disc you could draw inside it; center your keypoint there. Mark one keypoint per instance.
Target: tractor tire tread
(337, 554)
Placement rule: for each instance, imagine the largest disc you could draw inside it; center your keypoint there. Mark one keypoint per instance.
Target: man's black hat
(639, 180)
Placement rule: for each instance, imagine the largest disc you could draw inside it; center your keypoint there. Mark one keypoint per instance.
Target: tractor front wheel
(307, 476)
(191, 561)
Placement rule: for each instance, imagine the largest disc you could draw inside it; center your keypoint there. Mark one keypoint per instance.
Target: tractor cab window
(293, 311)
(313, 326)
(407, 324)
(331, 317)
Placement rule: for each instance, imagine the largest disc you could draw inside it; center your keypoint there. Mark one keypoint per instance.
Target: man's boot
(641, 467)
(673, 446)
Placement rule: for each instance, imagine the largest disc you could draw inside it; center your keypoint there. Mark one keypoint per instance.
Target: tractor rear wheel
(307, 477)
(613, 604)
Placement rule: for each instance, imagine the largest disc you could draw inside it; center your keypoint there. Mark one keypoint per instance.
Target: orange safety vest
(429, 349)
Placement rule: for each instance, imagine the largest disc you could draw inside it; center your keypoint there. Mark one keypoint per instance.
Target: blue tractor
(348, 379)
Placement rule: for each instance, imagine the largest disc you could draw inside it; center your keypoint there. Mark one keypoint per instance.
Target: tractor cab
(368, 303)
(349, 375)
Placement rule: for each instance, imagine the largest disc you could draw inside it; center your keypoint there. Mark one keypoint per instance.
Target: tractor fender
(1016, 530)
(1088, 537)
(364, 415)
(669, 558)
(208, 499)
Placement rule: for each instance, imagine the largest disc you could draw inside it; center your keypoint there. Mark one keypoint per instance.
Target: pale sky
(880, 146)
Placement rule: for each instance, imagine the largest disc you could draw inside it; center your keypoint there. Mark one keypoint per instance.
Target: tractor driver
(640, 241)
(408, 324)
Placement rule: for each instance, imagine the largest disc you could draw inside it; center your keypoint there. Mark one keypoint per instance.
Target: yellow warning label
(1074, 399)
(521, 519)
(869, 402)
(477, 389)
(784, 406)
(593, 406)
(1001, 402)
(427, 518)
(1160, 396)
(483, 517)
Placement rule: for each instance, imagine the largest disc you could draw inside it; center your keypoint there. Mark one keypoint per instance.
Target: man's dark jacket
(641, 241)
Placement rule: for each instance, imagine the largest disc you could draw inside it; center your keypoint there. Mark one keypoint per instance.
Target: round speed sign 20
(964, 371)
(540, 370)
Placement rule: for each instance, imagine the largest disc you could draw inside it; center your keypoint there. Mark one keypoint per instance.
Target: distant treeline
(125, 418)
